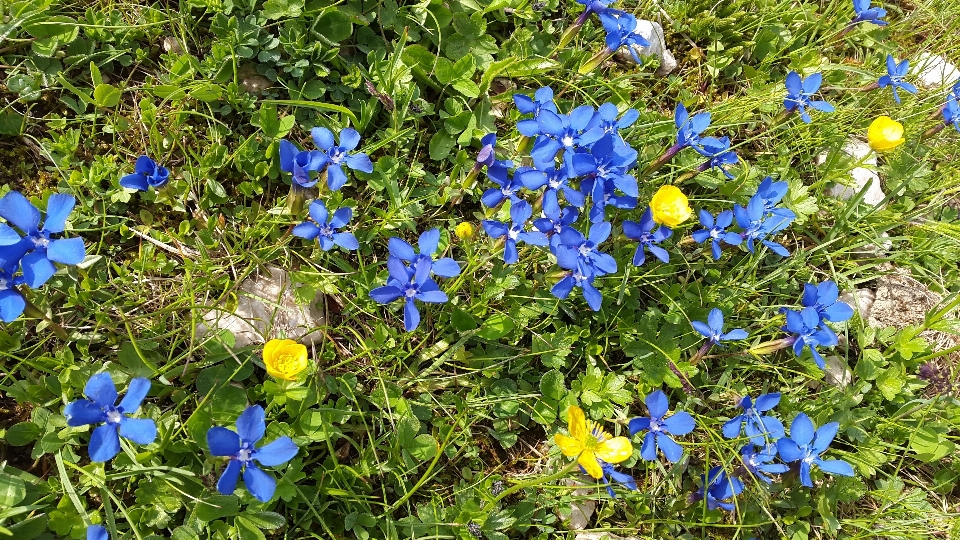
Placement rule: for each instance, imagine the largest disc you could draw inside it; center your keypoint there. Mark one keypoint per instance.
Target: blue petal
(104, 443)
(360, 162)
(429, 241)
(411, 316)
(97, 532)
(349, 138)
(715, 320)
(702, 329)
(222, 441)
(287, 152)
(101, 390)
(639, 424)
(732, 427)
(83, 412)
(276, 453)
(401, 249)
(336, 178)
(59, 206)
(432, 297)
(671, 450)
(801, 430)
(227, 483)
(398, 270)
(510, 254)
(260, 484)
(735, 335)
(251, 424)
(592, 296)
(657, 404)
(322, 138)
(306, 230)
(139, 388)
(824, 436)
(138, 430)
(9, 236)
(680, 423)
(67, 251)
(563, 287)
(834, 466)
(11, 305)
(341, 217)
(446, 267)
(37, 269)
(789, 450)
(346, 240)
(16, 209)
(385, 295)
(766, 402)
(805, 479)
(649, 449)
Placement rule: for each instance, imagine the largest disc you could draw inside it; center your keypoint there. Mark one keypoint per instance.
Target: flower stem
(571, 31)
(934, 130)
(702, 352)
(768, 347)
(534, 481)
(662, 160)
(595, 61)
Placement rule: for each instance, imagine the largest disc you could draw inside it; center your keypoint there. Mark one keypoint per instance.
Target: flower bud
(465, 230)
(885, 133)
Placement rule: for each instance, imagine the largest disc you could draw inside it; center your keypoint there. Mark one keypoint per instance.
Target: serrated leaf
(891, 381)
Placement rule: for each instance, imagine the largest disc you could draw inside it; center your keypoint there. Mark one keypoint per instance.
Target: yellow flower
(588, 442)
(464, 230)
(885, 133)
(285, 358)
(669, 206)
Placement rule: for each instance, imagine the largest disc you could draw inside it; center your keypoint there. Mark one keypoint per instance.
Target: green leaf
(266, 520)
(423, 448)
(23, 433)
(496, 326)
(869, 365)
(440, 145)
(891, 381)
(930, 445)
(334, 25)
(11, 123)
(551, 385)
(214, 507)
(106, 95)
(12, 490)
(279, 9)
(207, 92)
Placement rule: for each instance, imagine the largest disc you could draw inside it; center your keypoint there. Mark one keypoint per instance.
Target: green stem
(534, 481)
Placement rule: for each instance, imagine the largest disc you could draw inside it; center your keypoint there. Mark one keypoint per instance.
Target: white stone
(837, 372)
(860, 176)
(267, 309)
(653, 33)
(861, 300)
(581, 510)
(934, 71)
(172, 45)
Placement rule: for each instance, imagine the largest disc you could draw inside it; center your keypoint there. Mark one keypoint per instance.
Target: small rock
(172, 45)
(862, 153)
(653, 33)
(861, 300)
(580, 511)
(251, 81)
(934, 71)
(267, 309)
(837, 372)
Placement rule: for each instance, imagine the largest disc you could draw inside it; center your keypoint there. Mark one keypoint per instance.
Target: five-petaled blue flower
(240, 447)
(620, 28)
(648, 235)
(758, 462)
(339, 157)
(12, 302)
(823, 298)
(716, 486)
(38, 265)
(611, 475)
(553, 223)
(146, 174)
(865, 13)
(520, 213)
(97, 532)
(719, 154)
(894, 77)
(605, 122)
(556, 181)
(542, 100)
(101, 407)
(757, 223)
(716, 231)
(805, 445)
(410, 284)
(577, 278)
(428, 243)
(807, 332)
(508, 185)
(759, 428)
(301, 163)
(576, 251)
(325, 230)
(713, 329)
(560, 132)
(689, 127)
(660, 429)
(799, 94)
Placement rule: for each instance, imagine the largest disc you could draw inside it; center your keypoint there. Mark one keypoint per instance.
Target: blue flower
(605, 122)
(603, 194)
(147, 174)
(716, 231)
(12, 302)
(865, 13)
(620, 28)
(560, 132)
(805, 445)
(101, 407)
(339, 157)
(97, 532)
(951, 112)
(38, 264)
(758, 463)
(660, 429)
(428, 243)
(520, 213)
(689, 128)
(719, 154)
(576, 251)
(410, 284)
(487, 155)
(325, 230)
(611, 475)
(894, 77)
(806, 330)
(578, 278)
(713, 329)
(823, 298)
(508, 186)
(759, 428)
(554, 222)
(757, 224)
(717, 487)
(542, 100)
(240, 447)
(648, 235)
(799, 94)
(556, 181)
(301, 163)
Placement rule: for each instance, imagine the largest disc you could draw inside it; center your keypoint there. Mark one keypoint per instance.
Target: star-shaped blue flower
(713, 329)
(146, 174)
(799, 94)
(577, 278)
(507, 186)
(520, 213)
(410, 284)
(805, 326)
(823, 298)
(689, 127)
(576, 251)
(716, 231)
(45, 250)
(865, 13)
(556, 181)
(758, 427)
(542, 100)
(716, 486)
(718, 153)
(428, 243)
(102, 407)
(759, 462)
(620, 27)
(894, 77)
(339, 157)
(240, 447)
(648, 235)
(326, 228)
(301, 163)
(659, 428)
(806, 445)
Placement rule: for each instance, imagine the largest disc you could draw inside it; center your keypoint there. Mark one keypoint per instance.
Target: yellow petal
(568, 445)
(615, 450)
(272, 347)
(577, 423)
(588, 460)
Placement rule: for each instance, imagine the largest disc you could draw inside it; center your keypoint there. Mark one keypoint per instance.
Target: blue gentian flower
(648, 235)
(719, 154)
(865, 13)
(576, 251)
(301, 163)
(805, 445)
(894, 77)
(716, 231)
(577, 278)
(771, 192)
(660, 429)
(606, 122)
(757, 224)
(12, 302)
(759, 428)
(520, 213)
(38, 264)
(508, 186)
(101, 407)
(716, 486)
(951, 112)
(97, 532)
(553, 223)
(758, 462)
(799, 94)
(146, 174)
(410, 284)
(823, 298)
(556, 181)
(240, 447)
(611, 475)
(542, 100)
(713, 329)
(689, 128)
(603, 194)
(338, 157)
(428, 243)
(325, 230)
(487, 155)
(807, 332)
(620, 28)
(560, 132)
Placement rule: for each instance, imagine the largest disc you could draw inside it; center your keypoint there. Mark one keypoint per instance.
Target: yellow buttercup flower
(588, 442)
(669, 206)
(285, 358)
(885, 133)
(464, 230)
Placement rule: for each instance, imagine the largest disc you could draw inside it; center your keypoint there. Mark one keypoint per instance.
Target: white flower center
(244, 455)
(114, 417)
